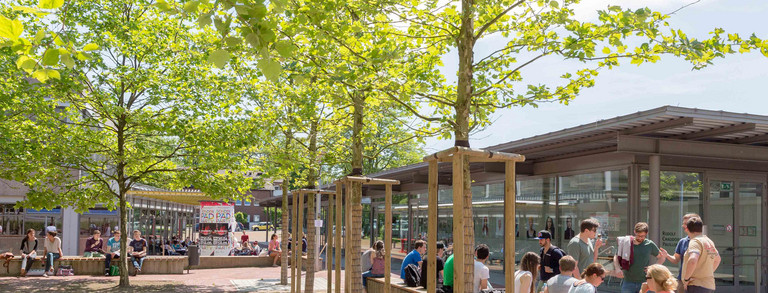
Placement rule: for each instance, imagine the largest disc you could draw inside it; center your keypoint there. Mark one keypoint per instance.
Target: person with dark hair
(550, 256)
(525, 277)
(581, 247)
(680, 249)
(414, 257)
(591, 278)
(568, 234)
(377, 263)
(439, 266)
(274, 249)
(52, 252)
(482, 274)
(700, 260)
(113, 251)
(28, 252)
(94, 246)
(550, 226)
(642, 250)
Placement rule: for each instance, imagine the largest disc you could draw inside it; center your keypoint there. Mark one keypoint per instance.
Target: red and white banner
(217, 224)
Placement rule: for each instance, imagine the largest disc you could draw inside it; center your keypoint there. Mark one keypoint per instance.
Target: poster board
(217, 224)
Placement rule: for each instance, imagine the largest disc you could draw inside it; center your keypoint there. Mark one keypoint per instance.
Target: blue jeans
(137, 261)
(49, 258)
(630, 287)
(370, 274)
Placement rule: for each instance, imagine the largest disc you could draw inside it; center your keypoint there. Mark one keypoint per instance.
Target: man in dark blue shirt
(681, 248)
(414, 257)
(550, 256)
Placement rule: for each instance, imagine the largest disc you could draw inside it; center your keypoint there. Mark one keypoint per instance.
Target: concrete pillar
(654, 198)
(70, 230)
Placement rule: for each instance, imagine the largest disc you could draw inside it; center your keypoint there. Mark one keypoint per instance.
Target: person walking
(680, 249)
(659, 280)
(377, 261)
(525, 277)
(643, 250)
(52, 252)
(482, 273)
(28, 252)
(581, 247)
(700, 260)
(113, 251)
(592, 277)
(550, 256)
(562, 282)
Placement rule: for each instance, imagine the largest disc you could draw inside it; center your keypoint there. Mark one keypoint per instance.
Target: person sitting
(113, 251)
(138, 250)
(274, 250)
(28, 252)
(413, 257)
(178, 248)
(94, 246)
(377, 263)
(52, 252)
(482, 273)
(439, 267)
(169, 249)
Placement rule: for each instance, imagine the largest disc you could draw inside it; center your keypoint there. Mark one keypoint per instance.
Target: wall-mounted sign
(725, 186)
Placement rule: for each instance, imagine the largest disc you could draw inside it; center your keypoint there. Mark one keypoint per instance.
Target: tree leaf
(10, 29)
(67, 60)
(91, 47)
(25, 63)
(270, 68)
(285, 49)
(191, 6)
(51, 57)
(219, 58)
(50, 4)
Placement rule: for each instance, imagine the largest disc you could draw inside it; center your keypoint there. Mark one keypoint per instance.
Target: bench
(397, 285)
(95, 265)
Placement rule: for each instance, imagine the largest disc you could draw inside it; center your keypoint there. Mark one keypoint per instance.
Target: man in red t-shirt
(243, 239)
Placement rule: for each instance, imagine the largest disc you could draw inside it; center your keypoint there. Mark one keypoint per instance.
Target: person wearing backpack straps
(550, 256)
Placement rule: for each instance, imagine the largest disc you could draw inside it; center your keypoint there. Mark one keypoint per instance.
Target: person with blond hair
(591, 278)
(659, 279)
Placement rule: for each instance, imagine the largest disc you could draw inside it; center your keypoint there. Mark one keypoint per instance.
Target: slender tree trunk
(356, 209)
(466, 43)
(122, 186)
(309, 284)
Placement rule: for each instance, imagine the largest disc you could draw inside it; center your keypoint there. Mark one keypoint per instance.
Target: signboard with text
(217, 224)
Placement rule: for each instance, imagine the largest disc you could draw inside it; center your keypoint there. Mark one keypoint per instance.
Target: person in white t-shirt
(482, 274)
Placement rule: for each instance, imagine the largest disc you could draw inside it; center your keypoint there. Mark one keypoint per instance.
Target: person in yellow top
(700, 260)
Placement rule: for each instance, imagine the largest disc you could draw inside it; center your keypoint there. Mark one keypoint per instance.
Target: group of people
(95, 246)
(638, 261)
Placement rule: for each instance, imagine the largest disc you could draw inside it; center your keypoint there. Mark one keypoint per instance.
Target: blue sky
(738, 83)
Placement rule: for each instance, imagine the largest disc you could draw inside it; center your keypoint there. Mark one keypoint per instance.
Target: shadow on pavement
(83, 285)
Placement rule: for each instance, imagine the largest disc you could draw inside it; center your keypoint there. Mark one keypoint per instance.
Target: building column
(654, 198)
(70, 230)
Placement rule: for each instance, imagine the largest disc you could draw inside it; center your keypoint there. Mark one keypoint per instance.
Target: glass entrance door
(736, 226)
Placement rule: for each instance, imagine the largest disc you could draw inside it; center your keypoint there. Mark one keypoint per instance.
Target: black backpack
(412, 276)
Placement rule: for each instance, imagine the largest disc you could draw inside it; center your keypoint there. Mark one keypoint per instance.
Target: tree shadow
(81, 285)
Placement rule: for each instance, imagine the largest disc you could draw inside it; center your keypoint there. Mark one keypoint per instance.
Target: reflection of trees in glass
(671, 183)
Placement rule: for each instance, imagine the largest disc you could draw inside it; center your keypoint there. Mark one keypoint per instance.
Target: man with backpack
(414, 257)
(550, 256)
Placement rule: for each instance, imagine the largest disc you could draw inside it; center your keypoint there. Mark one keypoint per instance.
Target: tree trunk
(356, 209)
(284, 241)
(466, 43)
(123, 260)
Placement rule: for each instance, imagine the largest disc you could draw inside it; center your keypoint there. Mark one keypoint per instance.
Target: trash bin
(193, 255)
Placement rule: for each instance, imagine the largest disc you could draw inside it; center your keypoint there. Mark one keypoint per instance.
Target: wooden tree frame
(345, 184)
(298, 225)
(456, 156)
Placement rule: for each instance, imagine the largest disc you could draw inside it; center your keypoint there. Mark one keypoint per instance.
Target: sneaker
(106, 272)
(45, 274)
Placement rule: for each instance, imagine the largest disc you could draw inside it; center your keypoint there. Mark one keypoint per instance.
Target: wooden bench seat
(95, 265)
(376, 285)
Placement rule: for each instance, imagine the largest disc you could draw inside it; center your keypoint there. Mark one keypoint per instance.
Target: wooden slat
(294, 225)
(338, 237)
(347, 252)
(458, 224)
(368, 180)
(297, 248)
(432, 228)
(509, 226)
(476, 155)
(329, 242)
(388, 238)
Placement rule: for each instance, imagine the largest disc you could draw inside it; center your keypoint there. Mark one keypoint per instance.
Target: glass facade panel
(750, 230)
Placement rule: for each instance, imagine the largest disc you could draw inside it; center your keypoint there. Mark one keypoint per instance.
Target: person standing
(525, 277)
(244, 238)
(642, 250)
(482, 273)
(113, 251)
(564, 281)
(550, 256)
(581, 247)
(680, 249)
(94, 246)
(592, 277)
(28, 252)
(52, 246)
(700, 260)
(414, 257)
(138, 247)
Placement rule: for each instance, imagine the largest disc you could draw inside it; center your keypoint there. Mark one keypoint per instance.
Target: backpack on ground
(66, 270)
(412, 276)
(114, 270)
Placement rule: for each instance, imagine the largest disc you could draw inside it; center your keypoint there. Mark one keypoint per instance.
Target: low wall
(95, 265)
(219, 262)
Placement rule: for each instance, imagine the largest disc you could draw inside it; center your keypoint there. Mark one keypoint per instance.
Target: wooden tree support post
(329, 243)
(295, 227)
(462, 246)
(309, 284)
(388, 238)
(312, 252)
(300, 232)
(337, 253)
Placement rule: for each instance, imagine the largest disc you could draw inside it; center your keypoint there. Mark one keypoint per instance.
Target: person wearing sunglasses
(591, 278)
(659, 279)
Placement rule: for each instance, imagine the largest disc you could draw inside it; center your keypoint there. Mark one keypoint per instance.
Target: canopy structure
(184, 196)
